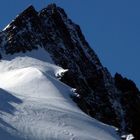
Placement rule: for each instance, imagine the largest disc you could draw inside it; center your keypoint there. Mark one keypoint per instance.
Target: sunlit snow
(35, 105)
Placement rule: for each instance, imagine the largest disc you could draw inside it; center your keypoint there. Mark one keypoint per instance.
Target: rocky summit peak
(52, 6)
(27, 13)
(100, 95)
(29, 9)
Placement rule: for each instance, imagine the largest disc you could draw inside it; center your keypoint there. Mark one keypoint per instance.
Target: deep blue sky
(112, 28)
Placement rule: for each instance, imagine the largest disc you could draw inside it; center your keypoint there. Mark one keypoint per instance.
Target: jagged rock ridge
(101, 96)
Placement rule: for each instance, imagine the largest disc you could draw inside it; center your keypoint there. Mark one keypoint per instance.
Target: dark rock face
(24, 33)
(101, 96)
(130, 100)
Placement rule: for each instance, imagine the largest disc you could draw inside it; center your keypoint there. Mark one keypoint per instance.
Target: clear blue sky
(112, 28)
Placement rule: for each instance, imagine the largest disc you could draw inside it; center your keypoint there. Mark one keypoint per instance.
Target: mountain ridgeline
(112, 100)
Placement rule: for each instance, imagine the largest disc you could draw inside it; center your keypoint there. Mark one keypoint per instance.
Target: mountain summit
(32, 45)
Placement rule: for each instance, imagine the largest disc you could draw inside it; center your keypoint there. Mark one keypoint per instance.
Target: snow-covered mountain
(35, 105)
(48, 72)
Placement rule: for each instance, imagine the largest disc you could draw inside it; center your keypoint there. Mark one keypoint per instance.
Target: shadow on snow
(6, 107)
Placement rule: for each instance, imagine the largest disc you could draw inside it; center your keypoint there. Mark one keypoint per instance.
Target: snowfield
(35, 105)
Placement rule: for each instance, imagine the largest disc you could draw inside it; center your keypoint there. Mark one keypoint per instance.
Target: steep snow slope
(35, 105)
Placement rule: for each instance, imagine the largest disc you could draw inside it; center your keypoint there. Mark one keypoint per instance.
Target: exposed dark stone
(130, 100)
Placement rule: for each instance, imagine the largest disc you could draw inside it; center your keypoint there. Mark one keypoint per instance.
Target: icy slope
(35, 105)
